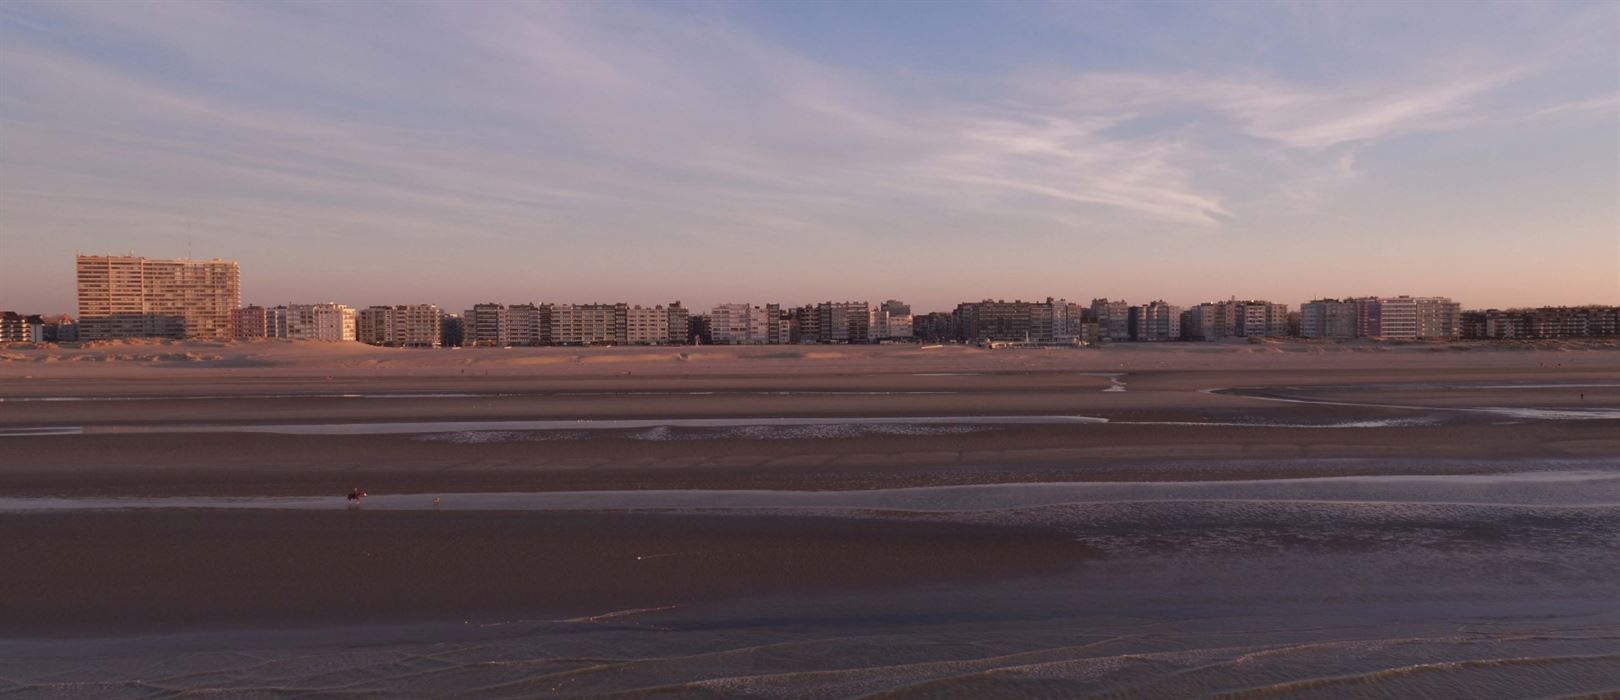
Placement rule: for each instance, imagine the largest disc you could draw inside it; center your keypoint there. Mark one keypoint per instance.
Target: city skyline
(722, 153)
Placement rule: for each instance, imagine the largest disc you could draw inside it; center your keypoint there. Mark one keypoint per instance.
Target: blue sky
(790, 152)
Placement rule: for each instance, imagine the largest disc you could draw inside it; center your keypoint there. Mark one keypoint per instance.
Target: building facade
(250, 322)
(400, 326)
(18, 328)
(1155, 321)
(329, 322)
(1548, 322)
(1112, 318)
(135, 297)
(1328, 319)
(485, 325)
(936, 327)
(1235, 319)
(843, 322)
(892, 320)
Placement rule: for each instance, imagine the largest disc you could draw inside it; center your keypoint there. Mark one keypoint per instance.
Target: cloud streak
(573, 126)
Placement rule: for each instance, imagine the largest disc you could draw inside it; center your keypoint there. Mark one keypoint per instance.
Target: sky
(792, 152)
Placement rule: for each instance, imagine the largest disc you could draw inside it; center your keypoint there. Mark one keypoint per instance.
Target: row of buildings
(1393, 318)
(1543, 323)
(129, 296)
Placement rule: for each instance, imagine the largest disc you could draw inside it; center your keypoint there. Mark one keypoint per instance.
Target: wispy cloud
(573, 125)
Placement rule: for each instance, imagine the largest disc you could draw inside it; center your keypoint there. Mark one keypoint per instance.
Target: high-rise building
(485, 325)
(1328, 319)
(1418, 318)
(646, 325)
(1154, 321)
(1235, 319)
(1369, 317)
(1007, 321)
(698, 329)
(401, 326)
(1072, 323)
(891, 319)
(680, 324)
(588, 324)
(528, 324)
(936, 327)
(135, 297)
(450, 330)
(740, 324)
(1438, 318)
(806, 324)
(844, 322)
(1113, 319)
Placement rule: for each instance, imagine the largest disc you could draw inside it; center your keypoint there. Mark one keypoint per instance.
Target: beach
(931, 522)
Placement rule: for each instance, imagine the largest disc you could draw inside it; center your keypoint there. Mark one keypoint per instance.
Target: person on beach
(355, 495)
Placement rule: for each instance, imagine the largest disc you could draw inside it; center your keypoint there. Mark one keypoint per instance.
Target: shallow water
(1479, 586)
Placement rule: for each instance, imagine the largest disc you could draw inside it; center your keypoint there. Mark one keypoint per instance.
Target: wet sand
(1184, 411)
(1230, 559)
(156, 571)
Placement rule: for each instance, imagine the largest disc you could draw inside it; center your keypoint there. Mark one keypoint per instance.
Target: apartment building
(806, 325)
(1438, 318)
(499, 325)
(18, 328)
(844, 322)
(588, 324)
(680, 324)
(1328, 319)
(1418, 318)
(1053, 321)
(136, 297)
(1072, 323)
(451, 330)
(738, 324)
(1369, 317)
(647, 325)
(935, 327)
(1113, 319)
(250, 322)
(1235, 319)
(1543, 323)
(485, 325)
(330, 322)
(891, 320)
(1153, 322)
(401, 326)
(528, 324)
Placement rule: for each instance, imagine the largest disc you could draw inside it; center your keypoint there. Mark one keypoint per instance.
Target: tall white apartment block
(134, 297)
